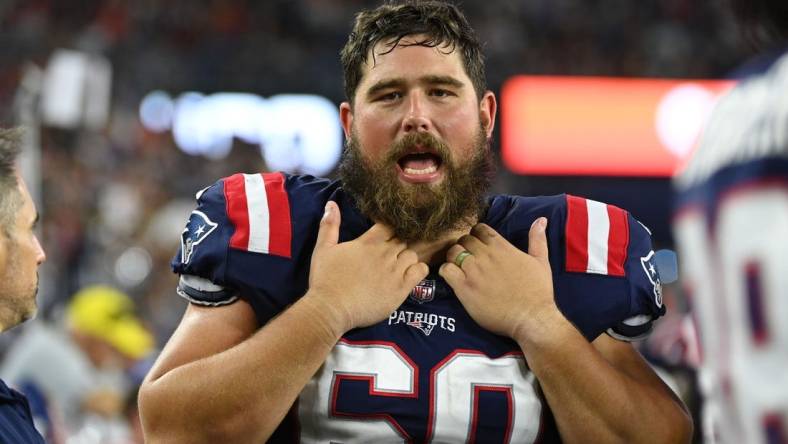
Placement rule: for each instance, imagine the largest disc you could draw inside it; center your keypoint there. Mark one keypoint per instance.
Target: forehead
(409, 59)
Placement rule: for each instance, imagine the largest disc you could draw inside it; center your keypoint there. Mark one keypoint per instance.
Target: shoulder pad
(606, 250)
(252, 235)
(248, 212)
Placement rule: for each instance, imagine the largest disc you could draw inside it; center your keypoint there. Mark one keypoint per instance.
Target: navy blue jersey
(16, 421)
(428, 373)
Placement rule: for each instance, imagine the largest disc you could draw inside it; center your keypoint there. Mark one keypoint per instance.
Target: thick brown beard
(419, 212)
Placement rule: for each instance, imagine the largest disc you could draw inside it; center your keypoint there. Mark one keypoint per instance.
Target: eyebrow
(384, 84)
(442, 80)
(400, 82)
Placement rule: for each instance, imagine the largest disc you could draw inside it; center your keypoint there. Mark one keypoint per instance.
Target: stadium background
(114, 198)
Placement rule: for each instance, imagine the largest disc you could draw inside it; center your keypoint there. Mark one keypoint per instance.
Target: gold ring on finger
(461, 257)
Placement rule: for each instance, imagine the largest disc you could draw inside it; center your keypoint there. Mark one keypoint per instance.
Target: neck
(434, 252)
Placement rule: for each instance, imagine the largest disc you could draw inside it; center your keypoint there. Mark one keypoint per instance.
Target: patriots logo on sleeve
(197, 229)
(652, 273)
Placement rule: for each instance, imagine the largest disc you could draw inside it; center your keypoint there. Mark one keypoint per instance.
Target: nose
(40, 255)
(416, 119)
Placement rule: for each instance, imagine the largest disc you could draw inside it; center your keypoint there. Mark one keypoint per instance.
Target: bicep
(205, 331)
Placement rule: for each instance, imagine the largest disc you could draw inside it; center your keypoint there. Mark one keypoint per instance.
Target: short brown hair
(443, 24)
(10, 199)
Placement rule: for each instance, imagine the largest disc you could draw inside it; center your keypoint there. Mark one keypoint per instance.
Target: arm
(218, 380)
(613, 394)
(603, 392)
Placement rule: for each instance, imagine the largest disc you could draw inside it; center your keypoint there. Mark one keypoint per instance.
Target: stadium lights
(600, 126)
(76, 90)
(295, 132)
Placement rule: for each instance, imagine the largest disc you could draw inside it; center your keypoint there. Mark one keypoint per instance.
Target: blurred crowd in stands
(113, 201)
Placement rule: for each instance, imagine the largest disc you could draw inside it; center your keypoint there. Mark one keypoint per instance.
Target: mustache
(425, 140)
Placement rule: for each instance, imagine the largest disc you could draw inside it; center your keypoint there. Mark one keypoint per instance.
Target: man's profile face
(20, 257)
(417, 140)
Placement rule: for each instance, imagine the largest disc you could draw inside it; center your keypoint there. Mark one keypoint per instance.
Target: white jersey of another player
(731, 226)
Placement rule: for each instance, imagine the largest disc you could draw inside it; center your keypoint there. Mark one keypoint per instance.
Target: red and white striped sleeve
(248, 212)
(258, 207)
(605, 241)
(597, 237)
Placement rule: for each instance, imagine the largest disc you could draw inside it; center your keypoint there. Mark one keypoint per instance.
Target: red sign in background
(602, 125)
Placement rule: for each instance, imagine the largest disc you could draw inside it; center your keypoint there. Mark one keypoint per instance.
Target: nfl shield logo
(423, 292)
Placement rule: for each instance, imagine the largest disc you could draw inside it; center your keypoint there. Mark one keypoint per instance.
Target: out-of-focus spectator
(20, 256)
(81, 368)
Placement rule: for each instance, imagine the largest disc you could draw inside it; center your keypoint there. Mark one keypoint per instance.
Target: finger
(461, 258)
(397, 245)
(484, 233)
(407, 257)
(537, 240)
(416, 273)
(453, 275)
(452, 253)
(472, 243)
(328, 233)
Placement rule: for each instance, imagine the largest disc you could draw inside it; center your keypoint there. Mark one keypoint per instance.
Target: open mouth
(420, 163)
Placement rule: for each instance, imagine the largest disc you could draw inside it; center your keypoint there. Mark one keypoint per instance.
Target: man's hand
(505, 290)
(363, 280)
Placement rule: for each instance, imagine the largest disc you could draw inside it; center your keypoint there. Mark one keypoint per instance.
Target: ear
(488, 107)
(346, 118)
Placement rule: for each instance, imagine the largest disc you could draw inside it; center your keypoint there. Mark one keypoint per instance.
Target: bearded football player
(402, 303)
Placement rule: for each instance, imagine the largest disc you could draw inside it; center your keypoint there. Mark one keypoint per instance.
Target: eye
(390, 96)
(438, 92)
